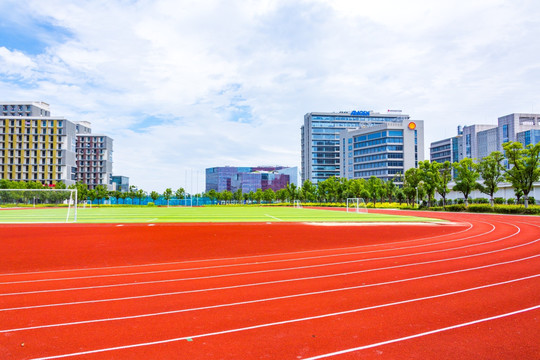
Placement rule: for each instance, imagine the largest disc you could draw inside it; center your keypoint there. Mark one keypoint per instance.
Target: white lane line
(262, 271)
(293, 296)
(470, 226)
(300, 320)
(273, 217)
(282, 281)
(251, 263)
(364, 347)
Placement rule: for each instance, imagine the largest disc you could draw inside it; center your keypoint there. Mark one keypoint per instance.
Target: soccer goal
(38, 205)
(356, 205)
(297, 204)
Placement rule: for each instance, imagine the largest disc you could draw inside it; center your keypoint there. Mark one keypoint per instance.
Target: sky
(184, 85)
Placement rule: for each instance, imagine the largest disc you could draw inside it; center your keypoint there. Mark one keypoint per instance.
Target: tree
(291, 190)
(115, 194)
(411, 183)
(238, 195)
(268, 195)
(491, 171)
(154, 195)
(258, 196)
(140, 195)
(82, 190)
(212, 194)
(466, 176)
(180, 193)
(444, 175)
(375, 188)
(309, 191)
(101, 193)
(132, 193)
(390, 189)
(167, 195)
(281, 195)
(91, 194)
(429, 174)
(524, 167)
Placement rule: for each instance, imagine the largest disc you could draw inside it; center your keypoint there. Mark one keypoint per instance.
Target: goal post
(297, 204)
(42, 205)
(356, 205)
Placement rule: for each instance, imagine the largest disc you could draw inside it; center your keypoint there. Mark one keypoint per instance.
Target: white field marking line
(273, 217)
(253, 327)
(288, 280)
(295, 296)
(259, 271)
(243, 257)
(154, 219)
(246, 264)
(457, 326)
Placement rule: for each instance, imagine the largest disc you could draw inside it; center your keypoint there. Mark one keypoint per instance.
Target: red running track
(466, 290)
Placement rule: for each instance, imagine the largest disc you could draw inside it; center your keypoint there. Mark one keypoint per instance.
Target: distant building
(385, 150)
(478, 141)
(94, 160)
(35, 146)
(122, 183)
(320, 136)
(249, 178)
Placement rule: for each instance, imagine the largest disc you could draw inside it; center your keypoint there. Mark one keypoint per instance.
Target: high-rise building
(385, 150)
(94, 160)
(321, 136)
(35, 146)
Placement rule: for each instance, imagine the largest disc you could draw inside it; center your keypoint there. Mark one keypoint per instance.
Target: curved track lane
(470, 289)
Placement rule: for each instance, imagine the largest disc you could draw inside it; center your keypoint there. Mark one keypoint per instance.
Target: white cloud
(184, 85)
(15, 63)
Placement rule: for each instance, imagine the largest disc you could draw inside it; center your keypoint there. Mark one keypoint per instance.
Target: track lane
(425, 286)
(237, 331)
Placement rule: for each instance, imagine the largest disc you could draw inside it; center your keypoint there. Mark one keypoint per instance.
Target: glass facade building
(320, 139)
(249, 178)
(385, 151)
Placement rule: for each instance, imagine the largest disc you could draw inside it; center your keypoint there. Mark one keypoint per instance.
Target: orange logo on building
(412, 125)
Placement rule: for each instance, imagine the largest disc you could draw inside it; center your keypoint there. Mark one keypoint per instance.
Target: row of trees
(429, 178)
(521, 171)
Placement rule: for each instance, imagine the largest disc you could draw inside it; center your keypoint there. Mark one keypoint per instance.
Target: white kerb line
(273, 217)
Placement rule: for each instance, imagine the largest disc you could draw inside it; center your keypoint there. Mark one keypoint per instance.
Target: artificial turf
(197, 215)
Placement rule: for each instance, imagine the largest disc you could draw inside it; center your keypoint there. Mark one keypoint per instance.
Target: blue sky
(185, 85)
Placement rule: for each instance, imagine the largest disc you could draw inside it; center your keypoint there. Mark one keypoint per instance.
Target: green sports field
(196, 214)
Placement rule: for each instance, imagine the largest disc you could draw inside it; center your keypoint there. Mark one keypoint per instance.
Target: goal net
(38, 205)
(356, 205)
(297, 204)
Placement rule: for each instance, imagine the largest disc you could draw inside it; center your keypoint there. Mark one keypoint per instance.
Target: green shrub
(456, 207)
(150, 204)
(511, 201)
(436, 208)
(498, 200)
(481, 208)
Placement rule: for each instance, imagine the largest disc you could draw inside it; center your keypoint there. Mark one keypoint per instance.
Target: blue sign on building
(364, 113)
